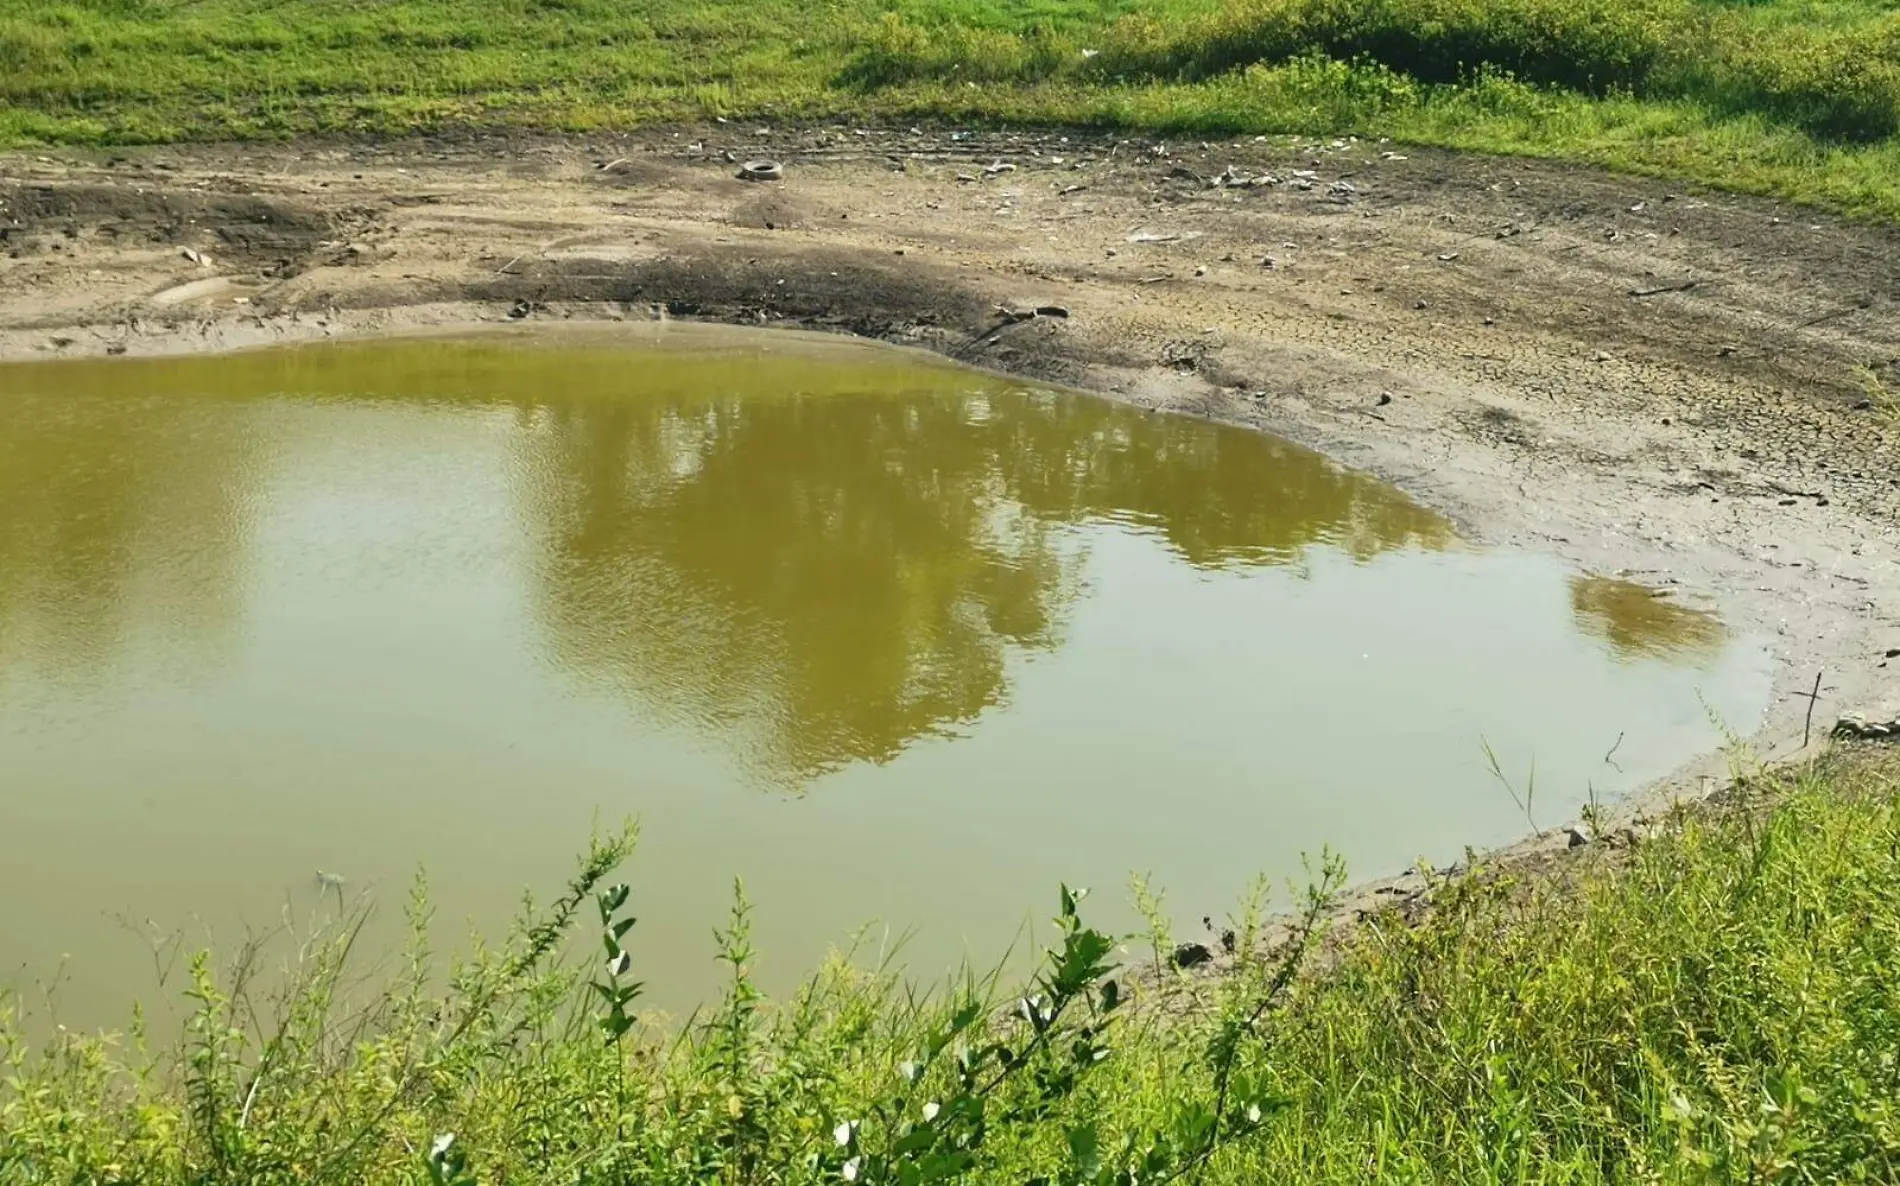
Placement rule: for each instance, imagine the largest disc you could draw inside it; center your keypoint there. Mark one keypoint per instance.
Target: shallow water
(889, 640)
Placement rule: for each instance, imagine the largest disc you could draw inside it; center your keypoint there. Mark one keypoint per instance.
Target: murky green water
(890, 641)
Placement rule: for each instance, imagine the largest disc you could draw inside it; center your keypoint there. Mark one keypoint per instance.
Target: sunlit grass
(1799, 98)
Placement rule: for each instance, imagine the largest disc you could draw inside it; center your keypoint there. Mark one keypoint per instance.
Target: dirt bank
(1691, 390)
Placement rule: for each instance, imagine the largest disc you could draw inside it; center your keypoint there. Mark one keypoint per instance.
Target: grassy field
(1719, 1003)
(1799, 98)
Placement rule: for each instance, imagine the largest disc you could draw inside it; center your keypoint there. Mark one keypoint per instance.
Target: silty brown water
(891, 641)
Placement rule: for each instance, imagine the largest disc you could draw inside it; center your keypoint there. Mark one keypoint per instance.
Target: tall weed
(1717, 1003)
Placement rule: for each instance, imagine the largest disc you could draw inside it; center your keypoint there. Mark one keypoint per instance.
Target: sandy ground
(1686, 389)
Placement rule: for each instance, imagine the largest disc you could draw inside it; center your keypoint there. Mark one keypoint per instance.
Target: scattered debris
(1190, 955)
(1855, 727)
(762, 170)
(1236, 178)
(997, 168)
(196, 257)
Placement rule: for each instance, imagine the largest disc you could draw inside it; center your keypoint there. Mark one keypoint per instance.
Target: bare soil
(1696, 391)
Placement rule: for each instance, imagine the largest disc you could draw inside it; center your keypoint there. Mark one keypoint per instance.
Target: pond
(896, 643)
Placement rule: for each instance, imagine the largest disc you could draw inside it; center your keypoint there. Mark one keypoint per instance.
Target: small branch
(1681, 286)
(1856, 307)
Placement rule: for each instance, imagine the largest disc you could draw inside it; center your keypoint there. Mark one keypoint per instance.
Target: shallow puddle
(889, 640)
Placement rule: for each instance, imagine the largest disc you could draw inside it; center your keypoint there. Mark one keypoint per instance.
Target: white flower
(851, 1170)
(931, 1110)
(1253, 1113)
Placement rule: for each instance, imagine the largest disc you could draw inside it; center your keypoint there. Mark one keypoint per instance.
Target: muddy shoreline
(1685, 389)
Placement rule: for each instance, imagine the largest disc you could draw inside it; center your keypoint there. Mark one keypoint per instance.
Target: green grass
(1721, 1006)
(1798, 98)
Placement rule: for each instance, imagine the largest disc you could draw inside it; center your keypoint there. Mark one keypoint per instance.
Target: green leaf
(915, 1141)
(1085, 1149)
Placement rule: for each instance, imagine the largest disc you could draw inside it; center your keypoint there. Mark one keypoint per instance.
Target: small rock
(1228, 941)
(1200, 270)
(1576, 836)
(1385, 397)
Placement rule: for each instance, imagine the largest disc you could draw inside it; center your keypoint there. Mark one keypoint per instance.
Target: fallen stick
(1681, 286)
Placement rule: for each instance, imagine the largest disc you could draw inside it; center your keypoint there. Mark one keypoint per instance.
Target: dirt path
(1691, 390)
